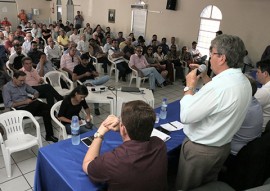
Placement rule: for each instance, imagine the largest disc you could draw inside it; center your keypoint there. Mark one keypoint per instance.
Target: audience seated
(9, 43)
(26, 46)
(154, 37)
(196, 55)
(262, 94)
(34, 80)
(44, 66)
(18, 37)
(140, 64)
(96, 51)
(128, 48)
(75, 37)
(34, 53)
(15, 59)
(5, 22)
(174, 57)
(16, 94)
(153, 62)
(108, 45)
(72, 105)
(117, 57)
(87, 74)
(173, 42)
(46, 33)
(83, 45)
(162, 59)
(53, 52)
(141, 161)
(69, 61)
(6, 32)
(165, 47)
(120, 37)
(62, 39)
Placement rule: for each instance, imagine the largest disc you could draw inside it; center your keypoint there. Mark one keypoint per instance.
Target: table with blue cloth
(59, 165)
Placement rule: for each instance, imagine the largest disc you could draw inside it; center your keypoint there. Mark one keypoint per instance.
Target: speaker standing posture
(171, 4)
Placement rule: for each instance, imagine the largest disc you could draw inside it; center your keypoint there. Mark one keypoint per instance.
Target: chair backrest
(12, 122)
(54, 77)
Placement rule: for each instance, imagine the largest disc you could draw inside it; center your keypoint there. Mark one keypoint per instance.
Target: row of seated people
(27, 81)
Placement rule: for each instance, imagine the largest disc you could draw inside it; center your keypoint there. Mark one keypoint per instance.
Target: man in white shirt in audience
(53, 52)
(26, 46)
(263, 93)
(69, 61)
(75, 37)
(214, 114)
(83, 45)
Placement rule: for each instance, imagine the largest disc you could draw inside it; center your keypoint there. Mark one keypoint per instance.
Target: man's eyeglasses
(213, 53)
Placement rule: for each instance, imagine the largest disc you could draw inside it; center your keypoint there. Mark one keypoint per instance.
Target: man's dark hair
(253, 84)
(264, 65)
(26, 58)
(18, 73)
(139, 118)
(85, 56)
(19, 27)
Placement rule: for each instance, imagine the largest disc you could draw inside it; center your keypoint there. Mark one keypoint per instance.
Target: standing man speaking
(214, 114)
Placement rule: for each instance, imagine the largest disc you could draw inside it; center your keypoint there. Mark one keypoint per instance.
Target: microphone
(202, 68)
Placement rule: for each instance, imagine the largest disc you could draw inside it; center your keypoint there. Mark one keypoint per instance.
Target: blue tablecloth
(59, 165)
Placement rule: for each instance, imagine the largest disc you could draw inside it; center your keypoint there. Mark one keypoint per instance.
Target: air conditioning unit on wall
(139, 6)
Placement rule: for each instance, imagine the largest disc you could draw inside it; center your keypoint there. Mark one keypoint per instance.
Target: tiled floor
(24, 163)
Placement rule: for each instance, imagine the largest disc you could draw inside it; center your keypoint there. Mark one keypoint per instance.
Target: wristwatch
(188, 88)
(98, 135)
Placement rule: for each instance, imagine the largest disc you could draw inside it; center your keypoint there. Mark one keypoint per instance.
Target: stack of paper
(173, 126)
(160, 135)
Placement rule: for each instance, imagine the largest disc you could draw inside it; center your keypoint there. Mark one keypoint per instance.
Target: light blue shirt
(214, 114)
(250, 129)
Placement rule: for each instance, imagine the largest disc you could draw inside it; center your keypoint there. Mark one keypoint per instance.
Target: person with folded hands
(140, 163)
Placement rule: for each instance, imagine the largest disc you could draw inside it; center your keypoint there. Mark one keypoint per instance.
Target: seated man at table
(140, 163)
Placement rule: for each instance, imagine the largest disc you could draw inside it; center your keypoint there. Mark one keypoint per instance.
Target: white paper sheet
(173, 126)
(160, 135)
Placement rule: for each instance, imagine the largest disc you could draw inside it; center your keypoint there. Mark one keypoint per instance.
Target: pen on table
(173, 125)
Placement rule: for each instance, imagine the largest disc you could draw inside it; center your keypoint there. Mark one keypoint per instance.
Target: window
(210, 22)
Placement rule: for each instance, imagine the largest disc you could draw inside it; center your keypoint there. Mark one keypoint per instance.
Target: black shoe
(51, 138)
(97, 112)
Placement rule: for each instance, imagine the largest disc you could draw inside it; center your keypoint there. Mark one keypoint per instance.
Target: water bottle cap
(75, 119)
(164, 99)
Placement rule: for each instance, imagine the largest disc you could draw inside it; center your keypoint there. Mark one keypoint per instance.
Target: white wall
(245, 18)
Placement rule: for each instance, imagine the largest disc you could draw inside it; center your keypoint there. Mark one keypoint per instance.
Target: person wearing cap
(87, 74)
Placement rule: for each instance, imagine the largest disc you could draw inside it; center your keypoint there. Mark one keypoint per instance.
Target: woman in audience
(174, 57)
(154, 62)
(162, 59)
(132, 37)
(72, 105)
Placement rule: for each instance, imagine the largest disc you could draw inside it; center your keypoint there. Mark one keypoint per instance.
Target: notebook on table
(130, 89)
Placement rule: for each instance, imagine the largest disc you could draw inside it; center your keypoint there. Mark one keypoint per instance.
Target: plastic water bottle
(75, 130)
(163, 109)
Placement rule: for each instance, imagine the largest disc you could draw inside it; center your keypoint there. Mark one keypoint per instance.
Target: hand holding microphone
(201, 69)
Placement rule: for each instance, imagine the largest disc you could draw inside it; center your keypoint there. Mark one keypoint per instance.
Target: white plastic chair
(54, 112)
(113, 67)
(134, 75)
(54, 77)
(17, 140)
(9, 70)
(97, 64)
